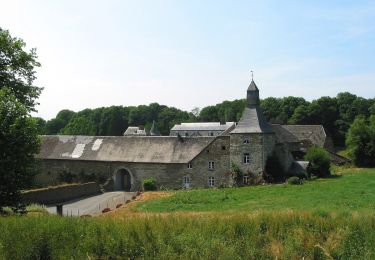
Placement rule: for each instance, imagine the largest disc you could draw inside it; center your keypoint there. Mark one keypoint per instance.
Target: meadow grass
(322, 219)
(278, 235)
(352, 191)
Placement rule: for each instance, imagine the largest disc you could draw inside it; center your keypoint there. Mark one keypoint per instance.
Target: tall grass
(284, 235)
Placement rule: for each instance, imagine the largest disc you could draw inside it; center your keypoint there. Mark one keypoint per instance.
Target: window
(211, 181)
(223, 148)
(246, 179)
(246, 141)
(211, 134)
(246, 158)
(186, 134)
(211, 165)
(186, 182)
(190, 165)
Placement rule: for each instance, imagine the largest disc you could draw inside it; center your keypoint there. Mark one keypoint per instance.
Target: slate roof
(252, 86)
(252, 121)
(135, 130)
(141, 149)
(211, 126)
(315, 133)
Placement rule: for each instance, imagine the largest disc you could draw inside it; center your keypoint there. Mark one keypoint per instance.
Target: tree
(18, 130)
(360, 141)
(18, 143)
(79, 126)
(17, 70)
(319, 162)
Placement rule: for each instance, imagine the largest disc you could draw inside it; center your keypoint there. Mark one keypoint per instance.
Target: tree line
(336, 114)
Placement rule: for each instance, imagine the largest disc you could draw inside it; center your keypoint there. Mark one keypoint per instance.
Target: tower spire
(252, 75)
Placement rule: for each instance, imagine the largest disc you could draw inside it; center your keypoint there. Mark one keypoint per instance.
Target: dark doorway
(122, 180)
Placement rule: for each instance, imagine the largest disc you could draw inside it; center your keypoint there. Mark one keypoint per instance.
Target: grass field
(354, 190)
(322, 219)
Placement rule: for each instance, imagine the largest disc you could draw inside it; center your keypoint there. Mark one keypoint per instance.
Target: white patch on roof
(66, 155)
(78, 150)
(96, 144)
(65, 138)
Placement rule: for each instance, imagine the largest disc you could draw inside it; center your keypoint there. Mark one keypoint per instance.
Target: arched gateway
(122, 180)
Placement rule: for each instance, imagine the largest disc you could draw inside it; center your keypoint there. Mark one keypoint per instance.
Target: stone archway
(122, 180)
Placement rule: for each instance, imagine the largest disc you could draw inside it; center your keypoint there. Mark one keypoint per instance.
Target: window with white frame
(190, 165)
(211, 165)
(246, 179)
(246, 141)
(211, 181)
(186, 181)
(246, 158)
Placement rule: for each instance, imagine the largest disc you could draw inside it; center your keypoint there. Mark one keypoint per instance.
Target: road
(93, 205)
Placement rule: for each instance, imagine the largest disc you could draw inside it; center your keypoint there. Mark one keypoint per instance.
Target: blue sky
(193, 53)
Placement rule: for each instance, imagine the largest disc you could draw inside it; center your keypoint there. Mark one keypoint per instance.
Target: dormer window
(246, 141)
(190, 165)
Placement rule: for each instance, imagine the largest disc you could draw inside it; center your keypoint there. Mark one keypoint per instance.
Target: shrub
(36, 208)
(294, 180)
(149, 184)
(360, 141)
(274, 170)
(119, 205)
(319, 162)
(139, 193)
(237, 174)
(134, 197)
(127, 201)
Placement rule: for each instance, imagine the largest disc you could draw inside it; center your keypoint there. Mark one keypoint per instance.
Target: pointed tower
(253, 139)
(154, 130)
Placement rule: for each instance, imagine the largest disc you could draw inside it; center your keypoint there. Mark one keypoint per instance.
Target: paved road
(93, 205)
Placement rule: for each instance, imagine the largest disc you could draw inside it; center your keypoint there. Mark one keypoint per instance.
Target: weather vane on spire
(252, 75)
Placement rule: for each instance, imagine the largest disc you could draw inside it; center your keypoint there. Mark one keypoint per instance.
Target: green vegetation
(285, 235)
(349, 192)
(361, 141)
(18, 130)
(149, 184)
(319, 162)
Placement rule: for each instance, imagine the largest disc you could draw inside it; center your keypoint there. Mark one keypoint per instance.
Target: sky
(193, 53)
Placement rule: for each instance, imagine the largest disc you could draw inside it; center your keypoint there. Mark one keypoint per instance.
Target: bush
(149, 184)
(294, 180)
(319, 162)
(237, 174)
(360, 141)
(274, 170)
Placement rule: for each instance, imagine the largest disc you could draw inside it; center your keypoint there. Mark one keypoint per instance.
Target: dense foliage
(18, 144)
(18, 131)
(17, 70)
(319, 162)
(335, 113)
(274, 170)
(361, 141)
(149, 184)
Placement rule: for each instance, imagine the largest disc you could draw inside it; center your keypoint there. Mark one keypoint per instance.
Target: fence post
(59, 209)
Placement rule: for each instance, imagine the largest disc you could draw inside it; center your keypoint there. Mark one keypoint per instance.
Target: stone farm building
(194, 155)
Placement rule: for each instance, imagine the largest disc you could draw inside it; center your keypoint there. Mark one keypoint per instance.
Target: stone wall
(258, 146)
(59, 194)
(168, 176)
